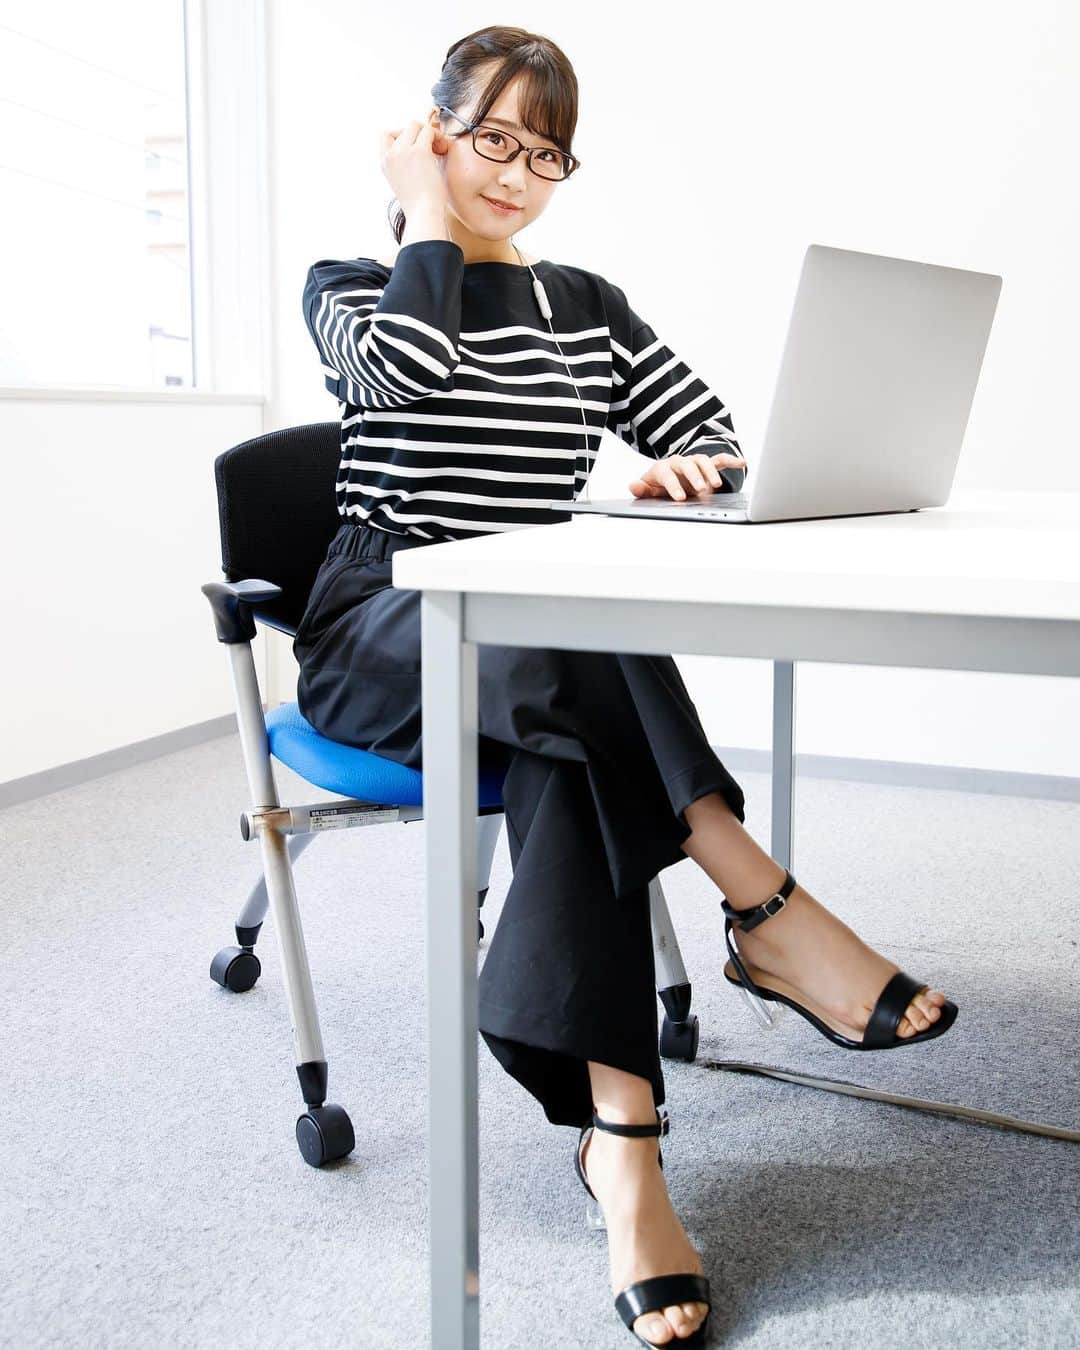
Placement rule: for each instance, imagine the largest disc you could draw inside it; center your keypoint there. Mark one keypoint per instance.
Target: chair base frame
(324, 1132)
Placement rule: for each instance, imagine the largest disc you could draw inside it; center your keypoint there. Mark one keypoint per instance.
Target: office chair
(277, 514)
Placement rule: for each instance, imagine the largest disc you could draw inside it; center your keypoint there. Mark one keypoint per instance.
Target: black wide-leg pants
(603, 752)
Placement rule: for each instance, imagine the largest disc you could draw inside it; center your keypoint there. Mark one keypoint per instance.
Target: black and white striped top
(458, 417)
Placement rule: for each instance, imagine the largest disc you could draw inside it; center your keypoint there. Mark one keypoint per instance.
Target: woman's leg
(568, 975)
(804, 944)
(645, 1235)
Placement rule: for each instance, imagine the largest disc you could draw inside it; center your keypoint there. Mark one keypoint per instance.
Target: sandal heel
(766, 1015)
(594, 1216)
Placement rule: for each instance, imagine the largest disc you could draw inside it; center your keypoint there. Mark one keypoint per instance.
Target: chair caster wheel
(235, 968)
(324, 1133)
(679, 1040)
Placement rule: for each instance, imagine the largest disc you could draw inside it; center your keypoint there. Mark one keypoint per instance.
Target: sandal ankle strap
(661, 1126)
(746, 919)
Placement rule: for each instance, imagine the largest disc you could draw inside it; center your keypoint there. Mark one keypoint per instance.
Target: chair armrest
(231, 603)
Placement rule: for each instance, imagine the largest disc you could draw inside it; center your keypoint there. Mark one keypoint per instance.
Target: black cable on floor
(896, 1099)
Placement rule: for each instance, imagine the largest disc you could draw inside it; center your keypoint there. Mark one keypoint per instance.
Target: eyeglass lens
(499, 146)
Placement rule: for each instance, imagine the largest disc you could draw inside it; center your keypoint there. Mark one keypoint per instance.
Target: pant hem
(565, 1092)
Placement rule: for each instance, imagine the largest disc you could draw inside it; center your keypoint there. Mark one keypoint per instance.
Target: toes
(916, 1017)
(685, 1317)
(654, 1328)
(679, 1320)
(922, 1012)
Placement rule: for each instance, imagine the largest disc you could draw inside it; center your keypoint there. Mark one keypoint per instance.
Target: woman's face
(470, 177)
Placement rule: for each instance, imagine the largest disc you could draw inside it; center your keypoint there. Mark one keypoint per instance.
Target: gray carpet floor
(151, 1191)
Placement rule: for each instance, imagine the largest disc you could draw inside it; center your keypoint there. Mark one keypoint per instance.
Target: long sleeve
(659, 406)
(385, 343)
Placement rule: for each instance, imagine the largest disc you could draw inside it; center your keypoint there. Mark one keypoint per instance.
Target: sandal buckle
(745, 920)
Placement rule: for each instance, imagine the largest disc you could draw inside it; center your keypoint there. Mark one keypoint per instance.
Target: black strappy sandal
(662, 1291)
(888, 1012)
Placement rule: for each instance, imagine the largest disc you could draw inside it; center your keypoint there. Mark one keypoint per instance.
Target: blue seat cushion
(358, 773)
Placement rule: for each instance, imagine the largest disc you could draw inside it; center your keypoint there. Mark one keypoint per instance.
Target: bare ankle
(619, 1113)
(621, 1097)
(729, 854)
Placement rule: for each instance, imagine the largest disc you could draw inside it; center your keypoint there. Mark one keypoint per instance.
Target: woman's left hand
(701, 472)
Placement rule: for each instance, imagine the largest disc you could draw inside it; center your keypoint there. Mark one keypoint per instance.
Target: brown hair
(549, 91)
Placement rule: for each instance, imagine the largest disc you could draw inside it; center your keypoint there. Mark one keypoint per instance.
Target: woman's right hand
(412, 161)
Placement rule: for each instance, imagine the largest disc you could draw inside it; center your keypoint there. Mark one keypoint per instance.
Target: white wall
(938, 132)
(108, 522)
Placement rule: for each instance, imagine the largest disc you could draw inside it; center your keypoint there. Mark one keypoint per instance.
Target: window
(95, 269)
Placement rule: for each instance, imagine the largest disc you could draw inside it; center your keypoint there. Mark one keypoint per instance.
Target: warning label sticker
(345, 817)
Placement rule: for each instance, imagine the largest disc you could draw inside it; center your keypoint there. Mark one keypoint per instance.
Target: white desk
(991, 581)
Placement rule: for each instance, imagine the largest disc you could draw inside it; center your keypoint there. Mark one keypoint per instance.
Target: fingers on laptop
(675, 476)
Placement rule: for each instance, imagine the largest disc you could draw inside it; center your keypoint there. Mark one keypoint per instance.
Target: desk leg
(449, 692)
(783, 762)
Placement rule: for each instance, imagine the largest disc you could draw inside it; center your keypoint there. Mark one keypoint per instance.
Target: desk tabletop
(985, 552)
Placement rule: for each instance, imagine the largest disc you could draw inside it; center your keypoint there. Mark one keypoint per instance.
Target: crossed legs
(806, 946)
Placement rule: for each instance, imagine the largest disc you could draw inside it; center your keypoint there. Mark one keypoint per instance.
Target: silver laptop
(876, 383)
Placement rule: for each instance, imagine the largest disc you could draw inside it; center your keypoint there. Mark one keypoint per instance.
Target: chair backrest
(277, 512)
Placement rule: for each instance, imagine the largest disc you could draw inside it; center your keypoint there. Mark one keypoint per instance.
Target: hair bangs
(547, 106)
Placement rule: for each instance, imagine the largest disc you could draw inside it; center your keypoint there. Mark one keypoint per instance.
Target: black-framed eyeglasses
(494, 143)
